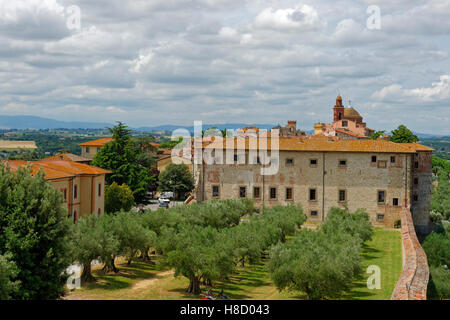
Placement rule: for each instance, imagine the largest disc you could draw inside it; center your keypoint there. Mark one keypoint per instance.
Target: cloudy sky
(159, 62)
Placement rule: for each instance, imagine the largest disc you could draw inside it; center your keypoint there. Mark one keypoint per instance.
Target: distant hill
(33, 122)
(230, 126)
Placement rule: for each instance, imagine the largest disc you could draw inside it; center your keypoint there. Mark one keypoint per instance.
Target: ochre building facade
(322, 172)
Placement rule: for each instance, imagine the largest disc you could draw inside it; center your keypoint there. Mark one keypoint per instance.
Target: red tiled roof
(418, 147)
(348, 132)
(68, 157)
(97, 143)
(57, 169)
(323, 143)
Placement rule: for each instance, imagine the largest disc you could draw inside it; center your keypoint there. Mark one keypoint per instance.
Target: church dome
(350, 113)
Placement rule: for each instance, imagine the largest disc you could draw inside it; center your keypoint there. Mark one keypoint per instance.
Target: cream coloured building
(322, 172)
(89, 149)
(82, 186)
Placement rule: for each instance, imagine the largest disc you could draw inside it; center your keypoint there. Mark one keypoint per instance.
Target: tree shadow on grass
(137, 270)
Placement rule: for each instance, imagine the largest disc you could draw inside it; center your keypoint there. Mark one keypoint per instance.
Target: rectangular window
(416, 180)
(242, 192)
(312, 195)
(288, 193)
(393, 159)
(313, 162)
(289, 161)
(416, 197)
(314, 213)
(381, 197)
(99, 189)
(345, 123)
(342, 196)
(215, 191)
(382, 164)
(395, 202)
(75, 192)
(374, 159)
(236, 158)
(273, 193)
(88, 150)
(64, 191)
(342, 163)
(416, 165)
(98, 149)
(380, 217)
(256, 193)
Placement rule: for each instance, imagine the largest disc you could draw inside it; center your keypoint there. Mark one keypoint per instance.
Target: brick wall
(413, 281)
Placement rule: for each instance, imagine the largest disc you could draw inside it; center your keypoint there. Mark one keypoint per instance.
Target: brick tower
(338, 109)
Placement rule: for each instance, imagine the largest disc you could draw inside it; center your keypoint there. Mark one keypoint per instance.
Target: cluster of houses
(337, 166)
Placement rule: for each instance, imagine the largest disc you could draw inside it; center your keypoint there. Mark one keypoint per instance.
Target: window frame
(339, 195)
(292, 193)
(218, 191)
(240, 192)
(259, 193)
(384, 197)
(315, 194)
(342, 165)
(270, 193)
(382, 164)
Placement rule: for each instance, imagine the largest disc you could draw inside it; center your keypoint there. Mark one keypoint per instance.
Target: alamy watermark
(211, 147)
(374, 280)
(374, 20)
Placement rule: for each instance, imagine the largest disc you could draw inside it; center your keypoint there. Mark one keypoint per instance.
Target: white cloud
(300, 18)
(439, 91)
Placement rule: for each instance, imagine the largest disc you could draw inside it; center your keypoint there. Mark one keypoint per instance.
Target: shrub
(118, 198)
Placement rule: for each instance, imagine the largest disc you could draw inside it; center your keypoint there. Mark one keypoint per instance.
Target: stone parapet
(413, 281)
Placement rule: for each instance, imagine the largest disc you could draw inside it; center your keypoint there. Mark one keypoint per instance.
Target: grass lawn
(385, 251)
(152, 281)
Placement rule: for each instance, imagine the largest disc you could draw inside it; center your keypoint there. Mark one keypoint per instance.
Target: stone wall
(360, 178)
(413, 281)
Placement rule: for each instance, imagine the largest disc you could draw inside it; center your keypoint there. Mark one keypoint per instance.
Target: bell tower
(338, 110)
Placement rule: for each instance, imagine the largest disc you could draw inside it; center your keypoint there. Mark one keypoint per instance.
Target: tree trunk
(145, 256)
(110, 266)
(86, 275)
(194, 286)
(113, 266)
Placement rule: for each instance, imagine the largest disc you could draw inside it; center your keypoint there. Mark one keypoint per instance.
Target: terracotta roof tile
(56, 169)
(418, 147)
(323, 143)
(348, 132)
(68, 157)
(97, 143)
